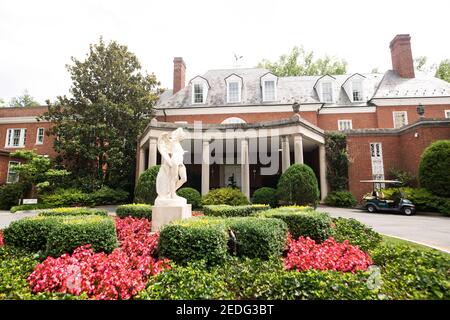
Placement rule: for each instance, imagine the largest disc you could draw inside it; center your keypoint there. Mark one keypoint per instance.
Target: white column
(141, 161)
(298, 148)
(152, 152)
(323, 172)
(205, 167)
(285, 153)
(245, 169)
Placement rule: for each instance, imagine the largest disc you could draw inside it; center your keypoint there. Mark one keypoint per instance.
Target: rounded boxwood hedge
(192, 196)
(225, 210)
(145, 191)
(343, 199)
(434, 168)
(298, 185)
(135, 210)
(230, 196)
(73, 211)
(307, 223)
(266, 195)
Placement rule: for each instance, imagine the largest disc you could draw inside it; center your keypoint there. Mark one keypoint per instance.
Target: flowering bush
(119, 275)
(1, 238)
(306, 254)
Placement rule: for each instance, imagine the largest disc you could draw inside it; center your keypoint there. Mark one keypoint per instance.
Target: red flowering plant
(119, 275)
(305, 253)
(1, 238)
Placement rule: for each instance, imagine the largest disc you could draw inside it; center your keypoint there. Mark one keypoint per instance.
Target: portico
(255, 154)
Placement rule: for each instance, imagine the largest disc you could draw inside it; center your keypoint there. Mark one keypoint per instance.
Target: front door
(230, 171)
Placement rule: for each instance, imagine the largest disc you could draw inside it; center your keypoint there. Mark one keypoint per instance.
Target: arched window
(233, 120)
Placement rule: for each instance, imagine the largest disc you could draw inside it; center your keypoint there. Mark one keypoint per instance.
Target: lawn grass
(398, 242)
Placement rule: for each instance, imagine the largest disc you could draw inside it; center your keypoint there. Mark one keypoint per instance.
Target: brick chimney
(401, 56)
(179, 73)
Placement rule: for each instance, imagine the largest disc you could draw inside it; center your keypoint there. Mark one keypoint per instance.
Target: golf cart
(376, 201)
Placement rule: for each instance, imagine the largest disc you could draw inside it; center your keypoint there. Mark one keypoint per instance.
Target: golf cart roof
(381, 181)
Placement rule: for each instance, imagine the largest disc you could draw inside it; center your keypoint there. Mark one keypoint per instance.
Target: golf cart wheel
(371, 208)
(408, 211)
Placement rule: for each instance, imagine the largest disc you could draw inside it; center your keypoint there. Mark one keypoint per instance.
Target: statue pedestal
(163, 214)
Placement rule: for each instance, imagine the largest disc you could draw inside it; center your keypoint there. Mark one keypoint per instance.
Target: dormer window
(327, 92)
(234, 92)
(198, 93)
(269, 90)
(199, 90)
(357, 90)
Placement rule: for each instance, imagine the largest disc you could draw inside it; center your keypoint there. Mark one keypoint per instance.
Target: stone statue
(172, 174)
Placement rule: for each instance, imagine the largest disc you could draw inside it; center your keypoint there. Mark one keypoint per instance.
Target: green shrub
(230, 196)
(342, 198)
(191, 282)
(250, 279)
(145, 191)
(29, 233)
(423, 199)
(309, 223)
(434, 168)
(73, 211)
(409, 273)
(72, 232)
(337, 160)
(406, 178)
(266, 195)
(298, 185)
(356, 233)
(256, 237)
(10, 195)
(26, 207)
(106, 195)
(192, 196)
(194, 239)
(67, 197)
(135, 210)
(225, 210)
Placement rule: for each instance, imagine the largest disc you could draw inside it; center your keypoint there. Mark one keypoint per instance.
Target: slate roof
(301, 89)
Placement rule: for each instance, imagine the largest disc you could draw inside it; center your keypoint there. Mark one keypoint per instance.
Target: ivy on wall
(337, 160)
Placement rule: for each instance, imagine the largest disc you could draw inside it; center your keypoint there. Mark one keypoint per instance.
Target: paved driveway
(431, 230)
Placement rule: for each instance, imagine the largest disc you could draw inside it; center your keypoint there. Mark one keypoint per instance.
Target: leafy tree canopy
(302, 63)
(97, 127)
(25, 100)
(443, 70)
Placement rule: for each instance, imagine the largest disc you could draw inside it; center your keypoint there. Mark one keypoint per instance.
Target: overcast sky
(37, 38)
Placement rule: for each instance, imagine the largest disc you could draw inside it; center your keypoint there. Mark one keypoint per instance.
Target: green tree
(434, 168)
(443, 70)
(25, 100)
(96, 129)
(420, 63)
(302, 63)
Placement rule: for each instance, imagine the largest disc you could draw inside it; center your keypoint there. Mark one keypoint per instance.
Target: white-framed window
(40, 136)
(198, 94)
(269, 90)
(447, 114)
(376, 156)
(15, 138)
(345, 125)
(13, 176)
(232, 120)
(400, 118)
(357, 92)
(234, 92)
(327, 92)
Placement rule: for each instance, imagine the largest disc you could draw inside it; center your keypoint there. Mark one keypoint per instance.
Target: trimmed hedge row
(213, 239)
(357, 233)
(228, 195)
(223, 210)
(57, 235)
(192, 196)
(303, 221)
(135, 210)
(74, 212)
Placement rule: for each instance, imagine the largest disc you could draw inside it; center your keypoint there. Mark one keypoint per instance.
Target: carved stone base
(162, 215)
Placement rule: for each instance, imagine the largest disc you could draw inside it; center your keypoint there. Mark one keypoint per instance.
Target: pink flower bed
(119, 275)
(305, 254)
(1, 238)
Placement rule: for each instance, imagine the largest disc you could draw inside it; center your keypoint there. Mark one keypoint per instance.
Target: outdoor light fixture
(296, 107)
(420, 110)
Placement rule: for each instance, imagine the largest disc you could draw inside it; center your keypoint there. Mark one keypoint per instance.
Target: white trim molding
(31, 119)
(410, 101)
